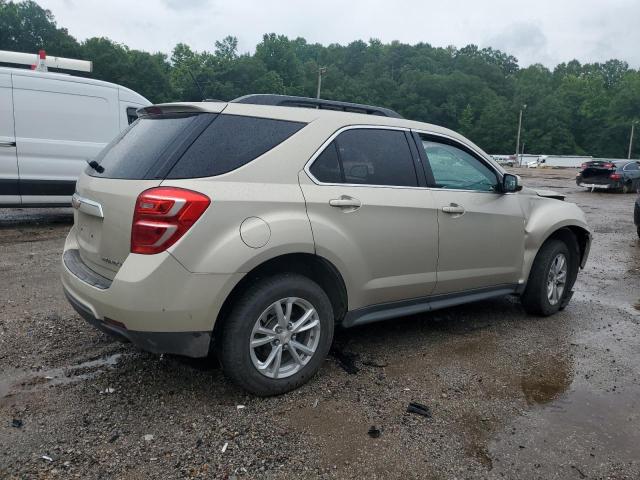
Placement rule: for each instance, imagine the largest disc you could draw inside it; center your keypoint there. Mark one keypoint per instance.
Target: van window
(230, 142)
(132, 116)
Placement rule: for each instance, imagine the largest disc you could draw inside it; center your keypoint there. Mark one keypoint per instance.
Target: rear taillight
(615, 176)
(162, 216)
(583, 166)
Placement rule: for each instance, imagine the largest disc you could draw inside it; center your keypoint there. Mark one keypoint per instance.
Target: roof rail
(306, 102)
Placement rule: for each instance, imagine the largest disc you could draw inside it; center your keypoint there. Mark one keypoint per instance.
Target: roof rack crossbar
(307, 102)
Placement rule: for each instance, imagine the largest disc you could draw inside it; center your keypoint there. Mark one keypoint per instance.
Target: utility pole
(633, 124)
(518, 140)
(321, 71)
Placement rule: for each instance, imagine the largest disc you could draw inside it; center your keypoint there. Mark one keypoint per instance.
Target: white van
(51, 124)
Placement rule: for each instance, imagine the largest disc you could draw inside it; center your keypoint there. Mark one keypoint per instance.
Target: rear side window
(229, 142)
(368, 156)
(138, 148)
(326, 168)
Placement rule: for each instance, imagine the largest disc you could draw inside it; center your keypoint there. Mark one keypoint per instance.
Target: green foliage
(574, 109)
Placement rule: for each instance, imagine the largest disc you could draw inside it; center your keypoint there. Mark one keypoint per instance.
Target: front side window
(367, 156)
(454, 168)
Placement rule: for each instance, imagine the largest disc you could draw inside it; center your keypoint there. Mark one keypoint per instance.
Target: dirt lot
(510, 396)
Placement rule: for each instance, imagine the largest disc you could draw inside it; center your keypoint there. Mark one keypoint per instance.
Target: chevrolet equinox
(250, 229)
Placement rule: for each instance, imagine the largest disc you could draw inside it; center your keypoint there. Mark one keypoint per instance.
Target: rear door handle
(453, 209)
(7, 144)
(345, 202)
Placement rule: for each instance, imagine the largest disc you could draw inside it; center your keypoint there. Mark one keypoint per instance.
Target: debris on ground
(419, 409)
(224, 447)
(47, 458)
(346, 360)
(16, 423)
(148, 437)
(374, 432)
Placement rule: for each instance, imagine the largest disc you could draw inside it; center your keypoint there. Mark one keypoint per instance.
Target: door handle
(453, 209)
(345, 202)
(7, 144)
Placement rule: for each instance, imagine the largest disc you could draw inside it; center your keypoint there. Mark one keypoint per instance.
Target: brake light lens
(615, 176)
(162, 216)
(583, 166)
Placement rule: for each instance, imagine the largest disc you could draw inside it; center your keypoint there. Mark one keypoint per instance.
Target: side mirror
(510, 183)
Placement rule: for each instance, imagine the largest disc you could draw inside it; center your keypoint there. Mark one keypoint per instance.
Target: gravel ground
(509, 396)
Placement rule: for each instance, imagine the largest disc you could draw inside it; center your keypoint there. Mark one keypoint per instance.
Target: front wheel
(277, 334)
(551, 279)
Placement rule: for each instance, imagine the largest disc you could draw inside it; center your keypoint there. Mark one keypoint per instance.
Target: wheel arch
(312, 266)
(572, 234)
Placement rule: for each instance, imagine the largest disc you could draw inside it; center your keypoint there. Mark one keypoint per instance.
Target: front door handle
(345, 202)
(453, 209)
(7, 144)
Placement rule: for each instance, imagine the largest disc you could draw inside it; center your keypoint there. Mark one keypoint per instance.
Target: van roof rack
(40, 62)
(306, 102)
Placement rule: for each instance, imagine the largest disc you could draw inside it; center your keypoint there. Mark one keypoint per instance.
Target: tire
(627, 187)
(258, 304)
(638, 230)
(535, 298)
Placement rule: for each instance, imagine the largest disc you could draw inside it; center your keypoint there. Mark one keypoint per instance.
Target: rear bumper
(152, 301)
(189, 344)
(608, 186)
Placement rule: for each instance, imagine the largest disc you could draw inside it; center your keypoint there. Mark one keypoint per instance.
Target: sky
(540, 31)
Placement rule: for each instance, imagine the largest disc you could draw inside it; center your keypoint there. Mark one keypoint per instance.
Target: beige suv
(252, 228)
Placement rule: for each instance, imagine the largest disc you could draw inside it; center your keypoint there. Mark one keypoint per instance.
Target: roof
(67, 78)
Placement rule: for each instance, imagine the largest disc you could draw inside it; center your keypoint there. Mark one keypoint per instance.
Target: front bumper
(152, 301)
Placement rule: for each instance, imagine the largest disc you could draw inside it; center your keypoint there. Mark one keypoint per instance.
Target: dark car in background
(636, 215)
(621, 175)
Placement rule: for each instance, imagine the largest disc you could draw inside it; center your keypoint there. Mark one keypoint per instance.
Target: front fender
(544, 217)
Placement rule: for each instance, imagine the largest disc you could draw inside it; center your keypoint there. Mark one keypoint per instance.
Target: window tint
(376, 157)
(137, 149)
(230, 142)
(326, 167)
(454, 168)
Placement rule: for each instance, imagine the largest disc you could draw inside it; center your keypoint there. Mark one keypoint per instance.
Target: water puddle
(24, 381)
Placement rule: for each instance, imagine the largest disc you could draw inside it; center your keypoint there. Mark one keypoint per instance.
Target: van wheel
(277, 334)
(551, 279)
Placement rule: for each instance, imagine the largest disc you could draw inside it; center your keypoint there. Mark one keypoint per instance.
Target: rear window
(148, 142)
(230, 142)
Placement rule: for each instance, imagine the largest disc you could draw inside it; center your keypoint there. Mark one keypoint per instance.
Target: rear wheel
(277, 335)
(551, 279)
(627, 187)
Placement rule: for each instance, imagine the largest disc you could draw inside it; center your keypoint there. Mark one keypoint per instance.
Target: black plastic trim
(76, 266)
(47, 187)
(307, 102)
(385, 311)
(9, 186)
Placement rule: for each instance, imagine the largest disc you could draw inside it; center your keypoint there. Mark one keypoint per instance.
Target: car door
(60, 124)
(9, 194)
(481, 231)
(371, 215)
(632, 174)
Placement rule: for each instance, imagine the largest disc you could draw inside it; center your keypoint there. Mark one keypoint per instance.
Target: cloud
(526, 41)
(185, 4)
